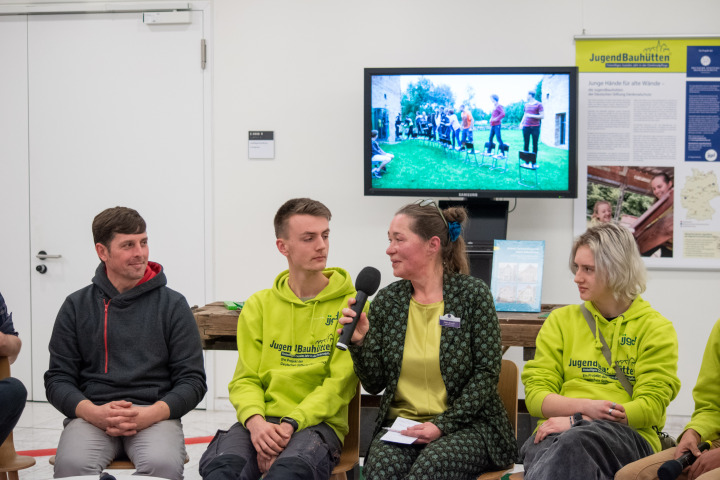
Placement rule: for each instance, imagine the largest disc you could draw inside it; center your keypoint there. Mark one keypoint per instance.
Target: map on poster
(648, 145)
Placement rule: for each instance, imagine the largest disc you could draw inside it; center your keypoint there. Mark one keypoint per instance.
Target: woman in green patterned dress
(431, 341)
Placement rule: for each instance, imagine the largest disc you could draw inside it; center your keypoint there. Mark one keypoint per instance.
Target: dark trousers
(458, 456)
(589, 450)
(311, 455)
(495, 130)
(467, 136)
(12, 401)
(533, 132)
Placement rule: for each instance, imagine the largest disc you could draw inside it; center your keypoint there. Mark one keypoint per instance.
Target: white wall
(296, 68)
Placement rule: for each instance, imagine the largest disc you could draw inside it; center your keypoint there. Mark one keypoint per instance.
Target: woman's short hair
(495, 97)
(617, 259)
(427, 222)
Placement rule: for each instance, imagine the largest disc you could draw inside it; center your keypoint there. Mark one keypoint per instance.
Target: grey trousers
(588, 451)
(157, 451)
(311, 454)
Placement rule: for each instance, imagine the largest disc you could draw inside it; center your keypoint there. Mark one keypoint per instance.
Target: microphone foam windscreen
(670, 470)
(368, 280)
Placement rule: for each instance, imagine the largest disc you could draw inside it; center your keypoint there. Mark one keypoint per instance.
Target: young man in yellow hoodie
(291, 387)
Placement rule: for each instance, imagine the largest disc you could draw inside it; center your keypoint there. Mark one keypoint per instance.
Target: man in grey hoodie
(125, 360)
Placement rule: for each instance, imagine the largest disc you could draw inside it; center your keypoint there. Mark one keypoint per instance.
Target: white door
(115, 118)
(15, 261)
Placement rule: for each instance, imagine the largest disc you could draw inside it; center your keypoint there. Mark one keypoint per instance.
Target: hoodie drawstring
(105, 333)
(616, 339)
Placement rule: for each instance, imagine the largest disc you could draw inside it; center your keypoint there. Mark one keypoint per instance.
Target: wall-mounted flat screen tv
(482, 132)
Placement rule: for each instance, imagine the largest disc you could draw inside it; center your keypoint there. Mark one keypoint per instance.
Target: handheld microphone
(672, 469)
(366, 284)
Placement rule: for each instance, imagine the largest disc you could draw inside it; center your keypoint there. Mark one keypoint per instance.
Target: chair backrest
(350, 455)
(508, 390)
(527, 156)
(351, 445)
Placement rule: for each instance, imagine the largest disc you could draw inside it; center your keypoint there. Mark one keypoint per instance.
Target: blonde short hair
(617, 259)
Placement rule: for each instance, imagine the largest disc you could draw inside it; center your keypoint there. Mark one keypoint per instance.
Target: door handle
(43, 255)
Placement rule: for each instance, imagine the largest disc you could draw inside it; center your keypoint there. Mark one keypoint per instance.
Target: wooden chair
(120, 463)
(350, 455)
(508, 390)
(10, 461)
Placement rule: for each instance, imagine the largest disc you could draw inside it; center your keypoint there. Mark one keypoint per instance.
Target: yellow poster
(649, 145)
(648, 55)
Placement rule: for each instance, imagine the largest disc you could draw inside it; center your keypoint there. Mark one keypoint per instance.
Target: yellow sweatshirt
(569, 361)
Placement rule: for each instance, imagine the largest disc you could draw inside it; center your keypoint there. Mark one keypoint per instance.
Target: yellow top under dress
(421, 393)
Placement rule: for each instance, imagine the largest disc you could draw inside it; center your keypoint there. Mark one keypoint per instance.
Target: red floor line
(47, 452)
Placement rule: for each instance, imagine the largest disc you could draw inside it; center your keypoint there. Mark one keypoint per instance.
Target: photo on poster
(638, 197)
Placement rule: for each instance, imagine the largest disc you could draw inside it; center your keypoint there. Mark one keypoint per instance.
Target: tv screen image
(471, 132)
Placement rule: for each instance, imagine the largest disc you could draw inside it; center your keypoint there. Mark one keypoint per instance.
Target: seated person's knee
(76, 463)
(223, 467)
(291, 468)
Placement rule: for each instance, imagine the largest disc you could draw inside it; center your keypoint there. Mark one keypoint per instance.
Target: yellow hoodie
(706, 417)
(569, 361)
(288, 365)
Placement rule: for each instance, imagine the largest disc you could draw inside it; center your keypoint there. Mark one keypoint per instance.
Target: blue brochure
(517, 271)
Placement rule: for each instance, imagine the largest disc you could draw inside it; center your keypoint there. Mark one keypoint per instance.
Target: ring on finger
(613, 405)
(610, 411)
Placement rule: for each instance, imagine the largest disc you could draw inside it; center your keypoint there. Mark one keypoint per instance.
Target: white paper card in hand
(399, 425)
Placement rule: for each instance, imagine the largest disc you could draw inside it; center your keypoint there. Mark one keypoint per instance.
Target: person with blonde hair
(602, 212)
(431, 341)
(604, 371)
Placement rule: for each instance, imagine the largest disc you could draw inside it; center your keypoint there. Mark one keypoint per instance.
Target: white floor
(41, 424)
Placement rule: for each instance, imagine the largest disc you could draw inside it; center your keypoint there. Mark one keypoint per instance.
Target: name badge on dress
(450, 320)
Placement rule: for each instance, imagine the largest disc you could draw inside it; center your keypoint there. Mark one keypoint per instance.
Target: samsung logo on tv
(470, 194)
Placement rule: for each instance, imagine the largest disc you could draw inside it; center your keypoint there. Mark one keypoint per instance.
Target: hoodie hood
(154, 278)
(611, 329)
(340, 285)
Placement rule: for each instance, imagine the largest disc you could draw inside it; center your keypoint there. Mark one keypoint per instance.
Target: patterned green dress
(477, 435)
